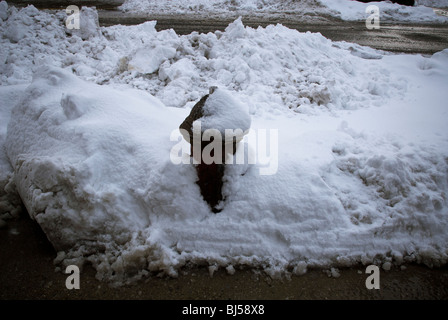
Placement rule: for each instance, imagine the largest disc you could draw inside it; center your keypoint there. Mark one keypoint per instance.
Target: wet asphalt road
(420, 38)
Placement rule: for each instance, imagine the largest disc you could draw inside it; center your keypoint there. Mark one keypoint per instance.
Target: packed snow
(305, 10)
(358, 144)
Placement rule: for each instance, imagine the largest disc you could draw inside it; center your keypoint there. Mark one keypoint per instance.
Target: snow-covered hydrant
(214, 127)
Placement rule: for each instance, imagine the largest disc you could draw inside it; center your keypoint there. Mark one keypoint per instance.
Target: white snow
(354, 10)
(10, 203)
(432, 3)
(223, 7)
(223, 112)
(362, 147)
(304, 10)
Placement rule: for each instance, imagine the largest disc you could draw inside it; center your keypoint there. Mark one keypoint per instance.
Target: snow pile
(305, 9)
(78, 165)
(31, 38)
(223, 7)
(286, 69)
(354, 10)
(278, 68)
(357, 138)
(432, 3)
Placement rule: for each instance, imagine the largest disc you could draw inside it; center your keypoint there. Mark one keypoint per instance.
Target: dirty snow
(432, 3)
(362, 151)
(305, 10)
(354, 10)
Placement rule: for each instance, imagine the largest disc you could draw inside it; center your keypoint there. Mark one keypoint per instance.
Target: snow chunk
(334, 272)
(230, 269)
(236, 29)
(14, 32)
(148, 60)
(181, 68)
(387, 266)
(300, 268)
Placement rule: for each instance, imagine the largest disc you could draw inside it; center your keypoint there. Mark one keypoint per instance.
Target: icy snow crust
(362, 151)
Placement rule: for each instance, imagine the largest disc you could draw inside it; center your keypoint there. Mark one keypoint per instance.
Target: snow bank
(31, 38)
(222, 7)
(362, 161)
(274, 69)
(354, 10)
(432, 3)
(83, 154)
(305, 9)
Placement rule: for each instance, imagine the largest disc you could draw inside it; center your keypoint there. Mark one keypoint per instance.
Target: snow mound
(432, 3)
(222, 7)
(355, 10)
(274, 69)
(305, 10)
(73, 162)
